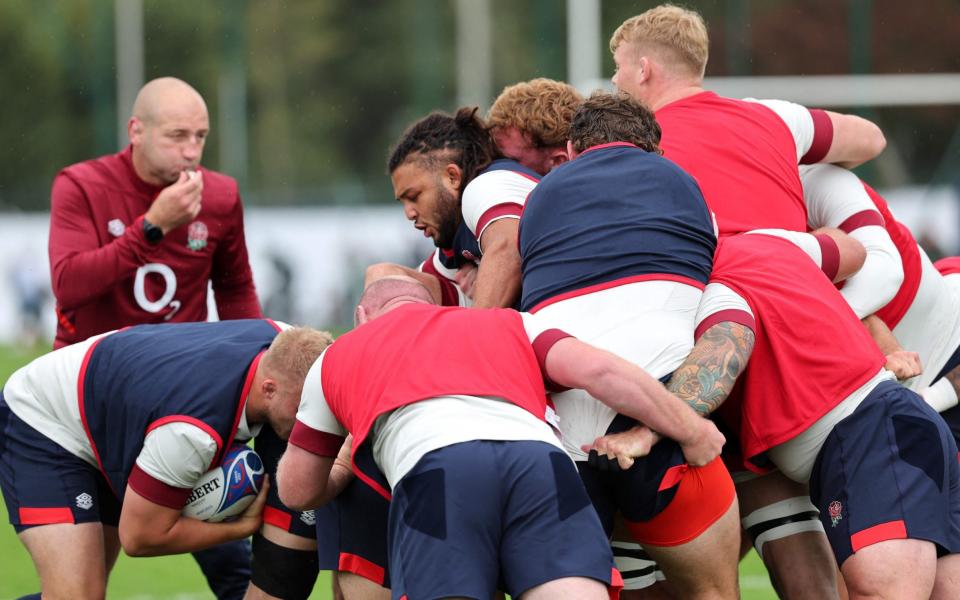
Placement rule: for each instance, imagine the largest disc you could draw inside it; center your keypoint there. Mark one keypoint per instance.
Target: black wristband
(152, 232)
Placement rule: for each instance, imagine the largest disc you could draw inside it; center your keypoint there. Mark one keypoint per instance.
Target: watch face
(152, 232)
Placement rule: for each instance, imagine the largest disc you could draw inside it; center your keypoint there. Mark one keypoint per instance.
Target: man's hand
(178, 203)
(704, 445)
(904, 364)
(252, 517)
(624, 447)
(466, 277)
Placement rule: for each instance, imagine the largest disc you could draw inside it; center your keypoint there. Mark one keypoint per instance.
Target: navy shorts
(43, 484)
(479, 515)
(639, 493)
(270, 448)
(888, 471)
(352, 533)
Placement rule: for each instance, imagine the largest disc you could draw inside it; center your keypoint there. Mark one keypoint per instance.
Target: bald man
(136, 236)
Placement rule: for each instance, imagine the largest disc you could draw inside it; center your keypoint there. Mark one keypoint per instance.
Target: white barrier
(322, 253)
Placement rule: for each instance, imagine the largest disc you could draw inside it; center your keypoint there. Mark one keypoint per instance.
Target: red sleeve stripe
(157, 491)
(45, 516)
(352, 563)
(448, 289)
(822, 137)
(891, 530)
(505, 209)
(829, 255)
(276, 517)
(315, 441)
(541, 347)
(864, 218)
(732, 315)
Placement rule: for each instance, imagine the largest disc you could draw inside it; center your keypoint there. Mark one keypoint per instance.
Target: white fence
(308, 263)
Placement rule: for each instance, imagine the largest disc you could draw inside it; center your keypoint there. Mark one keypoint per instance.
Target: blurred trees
(331, 84)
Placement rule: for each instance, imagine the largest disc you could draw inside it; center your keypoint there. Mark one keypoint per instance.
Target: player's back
(744, 157)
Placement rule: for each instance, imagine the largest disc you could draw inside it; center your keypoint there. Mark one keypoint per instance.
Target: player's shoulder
(104, 171)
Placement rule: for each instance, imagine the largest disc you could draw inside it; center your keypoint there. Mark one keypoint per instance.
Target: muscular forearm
(635, 394)
(498, 279)
(707, 376)
(186, 535)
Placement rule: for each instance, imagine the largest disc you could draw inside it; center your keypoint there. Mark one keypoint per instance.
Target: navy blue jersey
(146, 376)
(615, 212)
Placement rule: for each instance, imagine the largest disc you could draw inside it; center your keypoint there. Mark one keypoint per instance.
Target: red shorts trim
(351, 563)
(616, 584)
(891, 530)
(277, 518)
(45, 516)
(704, 495)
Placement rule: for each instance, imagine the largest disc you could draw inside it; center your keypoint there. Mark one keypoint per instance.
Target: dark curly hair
(605, 117)
(462, 139)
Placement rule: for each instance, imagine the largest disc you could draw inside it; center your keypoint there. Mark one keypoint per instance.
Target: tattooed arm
(705, 378)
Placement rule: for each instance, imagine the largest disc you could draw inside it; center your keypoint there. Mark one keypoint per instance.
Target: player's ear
(359, 316)
(269, 388)
(571, 153)
(452, 174)
(134, 130)
(558, 155)
(645, 69)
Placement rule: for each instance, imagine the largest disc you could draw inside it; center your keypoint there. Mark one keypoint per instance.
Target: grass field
(178, 577)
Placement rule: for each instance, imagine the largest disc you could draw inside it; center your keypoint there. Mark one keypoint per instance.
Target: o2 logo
(169, 289)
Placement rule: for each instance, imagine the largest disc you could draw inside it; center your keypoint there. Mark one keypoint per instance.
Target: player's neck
(674, 93)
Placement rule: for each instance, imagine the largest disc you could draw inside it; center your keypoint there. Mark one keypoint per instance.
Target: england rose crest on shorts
(835, 510)
(116, 227)
(197, 236)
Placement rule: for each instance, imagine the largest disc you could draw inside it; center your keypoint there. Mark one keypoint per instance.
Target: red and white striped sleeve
(721, 304)
(317, 429)
(835, 197)
(492, 196)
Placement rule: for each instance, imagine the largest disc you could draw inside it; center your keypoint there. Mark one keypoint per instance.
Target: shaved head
(167, 129)
(166, 95)
(383, 295)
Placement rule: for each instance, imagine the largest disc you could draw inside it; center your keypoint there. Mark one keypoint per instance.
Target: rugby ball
(228, 489)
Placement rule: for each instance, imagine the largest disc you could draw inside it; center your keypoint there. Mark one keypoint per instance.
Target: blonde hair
(679, 32)
(292, 353)
(542, 108)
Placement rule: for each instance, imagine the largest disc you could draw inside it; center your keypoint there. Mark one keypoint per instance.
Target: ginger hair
(541, 108)
(292, 353)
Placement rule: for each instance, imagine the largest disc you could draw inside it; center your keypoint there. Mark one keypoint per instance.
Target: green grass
(178, 577)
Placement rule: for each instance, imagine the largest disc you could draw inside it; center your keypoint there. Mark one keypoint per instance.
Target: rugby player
(480, 487)
(456, 187)
(616, 247)
(102, 441)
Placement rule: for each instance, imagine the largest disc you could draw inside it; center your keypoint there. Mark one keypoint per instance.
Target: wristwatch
(152, 232)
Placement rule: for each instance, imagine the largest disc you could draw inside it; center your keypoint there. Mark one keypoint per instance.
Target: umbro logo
(85, 501)
(309, 517)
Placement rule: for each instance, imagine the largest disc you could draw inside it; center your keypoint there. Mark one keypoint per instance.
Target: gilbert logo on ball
(228, 489)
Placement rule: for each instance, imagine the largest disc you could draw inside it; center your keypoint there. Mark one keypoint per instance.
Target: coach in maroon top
(135, 236)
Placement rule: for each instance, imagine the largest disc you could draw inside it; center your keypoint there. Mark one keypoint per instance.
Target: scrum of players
(660, 326)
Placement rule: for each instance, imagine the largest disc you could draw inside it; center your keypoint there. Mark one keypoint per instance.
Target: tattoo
(705, 378)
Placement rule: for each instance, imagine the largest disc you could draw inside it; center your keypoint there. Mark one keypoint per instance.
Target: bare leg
(948, 578)
(69, 560)
(355, 587)
(801, 563)
(901, 569)
(568, 588)
(715, 554)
